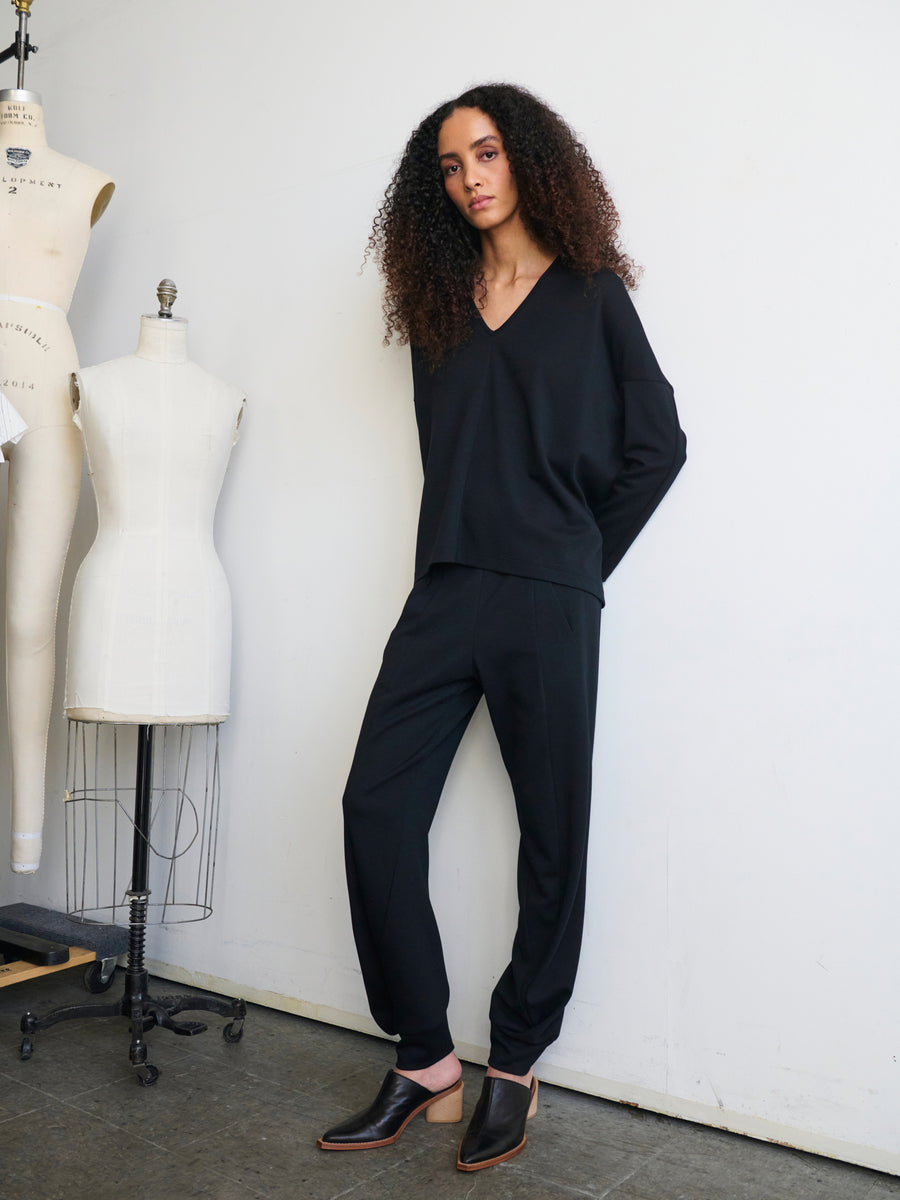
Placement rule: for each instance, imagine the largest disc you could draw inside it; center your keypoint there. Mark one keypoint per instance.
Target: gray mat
(107, 941)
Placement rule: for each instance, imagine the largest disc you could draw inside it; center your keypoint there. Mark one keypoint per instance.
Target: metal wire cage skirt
(100, 828)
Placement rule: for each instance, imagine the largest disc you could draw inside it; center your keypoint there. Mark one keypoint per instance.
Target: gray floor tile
(17, 1098)
(60, 1156)
(190, 1102)
(167, 1176)
(66, 1063)
(618, 1126)
(603, 1142)
(239, 1122)
(279, 1159)
(425, 1178)
(884, 1187)
(300, 1054)
(710, 1165)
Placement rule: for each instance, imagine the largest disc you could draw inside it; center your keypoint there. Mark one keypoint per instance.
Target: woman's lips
(480, 202)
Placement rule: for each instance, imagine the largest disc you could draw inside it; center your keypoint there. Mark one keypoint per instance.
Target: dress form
(150, 623)
(48, 203)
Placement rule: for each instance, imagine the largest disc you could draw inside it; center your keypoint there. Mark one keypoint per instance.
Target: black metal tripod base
(145, 1012)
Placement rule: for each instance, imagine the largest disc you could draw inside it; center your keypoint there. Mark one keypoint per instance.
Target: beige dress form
(150, 623)
(48, 203)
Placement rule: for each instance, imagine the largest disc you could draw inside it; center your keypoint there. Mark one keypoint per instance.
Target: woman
(548, 436)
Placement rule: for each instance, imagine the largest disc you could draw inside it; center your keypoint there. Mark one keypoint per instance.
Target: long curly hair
(431, 257)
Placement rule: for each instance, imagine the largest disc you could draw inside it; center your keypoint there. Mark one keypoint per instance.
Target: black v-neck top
(548, 442)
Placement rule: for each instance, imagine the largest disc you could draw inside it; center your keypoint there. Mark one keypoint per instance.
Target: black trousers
(531, 648)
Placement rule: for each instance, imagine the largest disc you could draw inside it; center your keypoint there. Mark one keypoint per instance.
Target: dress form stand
(143, 1010)
(133, 687)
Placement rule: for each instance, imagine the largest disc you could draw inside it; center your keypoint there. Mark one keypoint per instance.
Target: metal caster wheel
(233, 1031)
(147, 1075)
(26, 1049)
(94, 979)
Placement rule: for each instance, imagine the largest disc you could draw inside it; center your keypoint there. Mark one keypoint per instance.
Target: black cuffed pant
(531, 648)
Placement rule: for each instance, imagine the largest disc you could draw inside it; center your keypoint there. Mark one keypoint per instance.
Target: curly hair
(431, 257)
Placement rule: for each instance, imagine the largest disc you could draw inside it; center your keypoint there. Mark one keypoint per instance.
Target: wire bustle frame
(183, 822)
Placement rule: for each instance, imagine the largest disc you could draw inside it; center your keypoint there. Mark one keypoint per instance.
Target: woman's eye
(451, 168)
(489, 154)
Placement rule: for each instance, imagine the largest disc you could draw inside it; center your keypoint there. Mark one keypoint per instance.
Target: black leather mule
(399, 1100)
(497, 1129)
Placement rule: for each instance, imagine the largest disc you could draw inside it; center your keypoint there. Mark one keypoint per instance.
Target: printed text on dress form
(26, 332)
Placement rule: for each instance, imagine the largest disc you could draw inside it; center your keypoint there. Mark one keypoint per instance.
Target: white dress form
(150, 623)
(48, 203)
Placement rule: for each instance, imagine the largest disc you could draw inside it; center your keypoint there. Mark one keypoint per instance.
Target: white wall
(740, 962)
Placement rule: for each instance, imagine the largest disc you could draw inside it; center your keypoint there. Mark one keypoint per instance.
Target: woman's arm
(653, 444)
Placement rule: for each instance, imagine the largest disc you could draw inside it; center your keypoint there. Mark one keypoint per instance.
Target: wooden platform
(17, 972)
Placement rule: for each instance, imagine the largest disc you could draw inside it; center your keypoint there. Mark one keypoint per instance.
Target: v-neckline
(534, 287)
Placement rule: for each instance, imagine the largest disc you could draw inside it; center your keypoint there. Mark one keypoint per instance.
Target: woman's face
(476, 170)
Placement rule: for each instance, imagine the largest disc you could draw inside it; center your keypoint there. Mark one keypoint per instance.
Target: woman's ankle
(525, 1080)
(440, 1075)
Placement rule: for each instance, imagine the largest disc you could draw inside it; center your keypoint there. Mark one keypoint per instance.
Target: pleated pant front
(531, 648)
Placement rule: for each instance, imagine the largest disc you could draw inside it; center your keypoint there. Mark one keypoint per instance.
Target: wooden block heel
(532, 1107)
(448, 1109)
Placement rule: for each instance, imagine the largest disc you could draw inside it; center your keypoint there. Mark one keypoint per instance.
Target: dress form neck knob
(166, 293)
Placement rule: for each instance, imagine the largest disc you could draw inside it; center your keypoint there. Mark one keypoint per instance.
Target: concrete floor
(233, 1122)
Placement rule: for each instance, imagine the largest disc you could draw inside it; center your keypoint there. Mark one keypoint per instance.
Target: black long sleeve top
(546, 443)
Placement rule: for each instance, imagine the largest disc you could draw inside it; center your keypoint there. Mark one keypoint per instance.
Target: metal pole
(142, 793)
(23, 34)
(23, 8)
